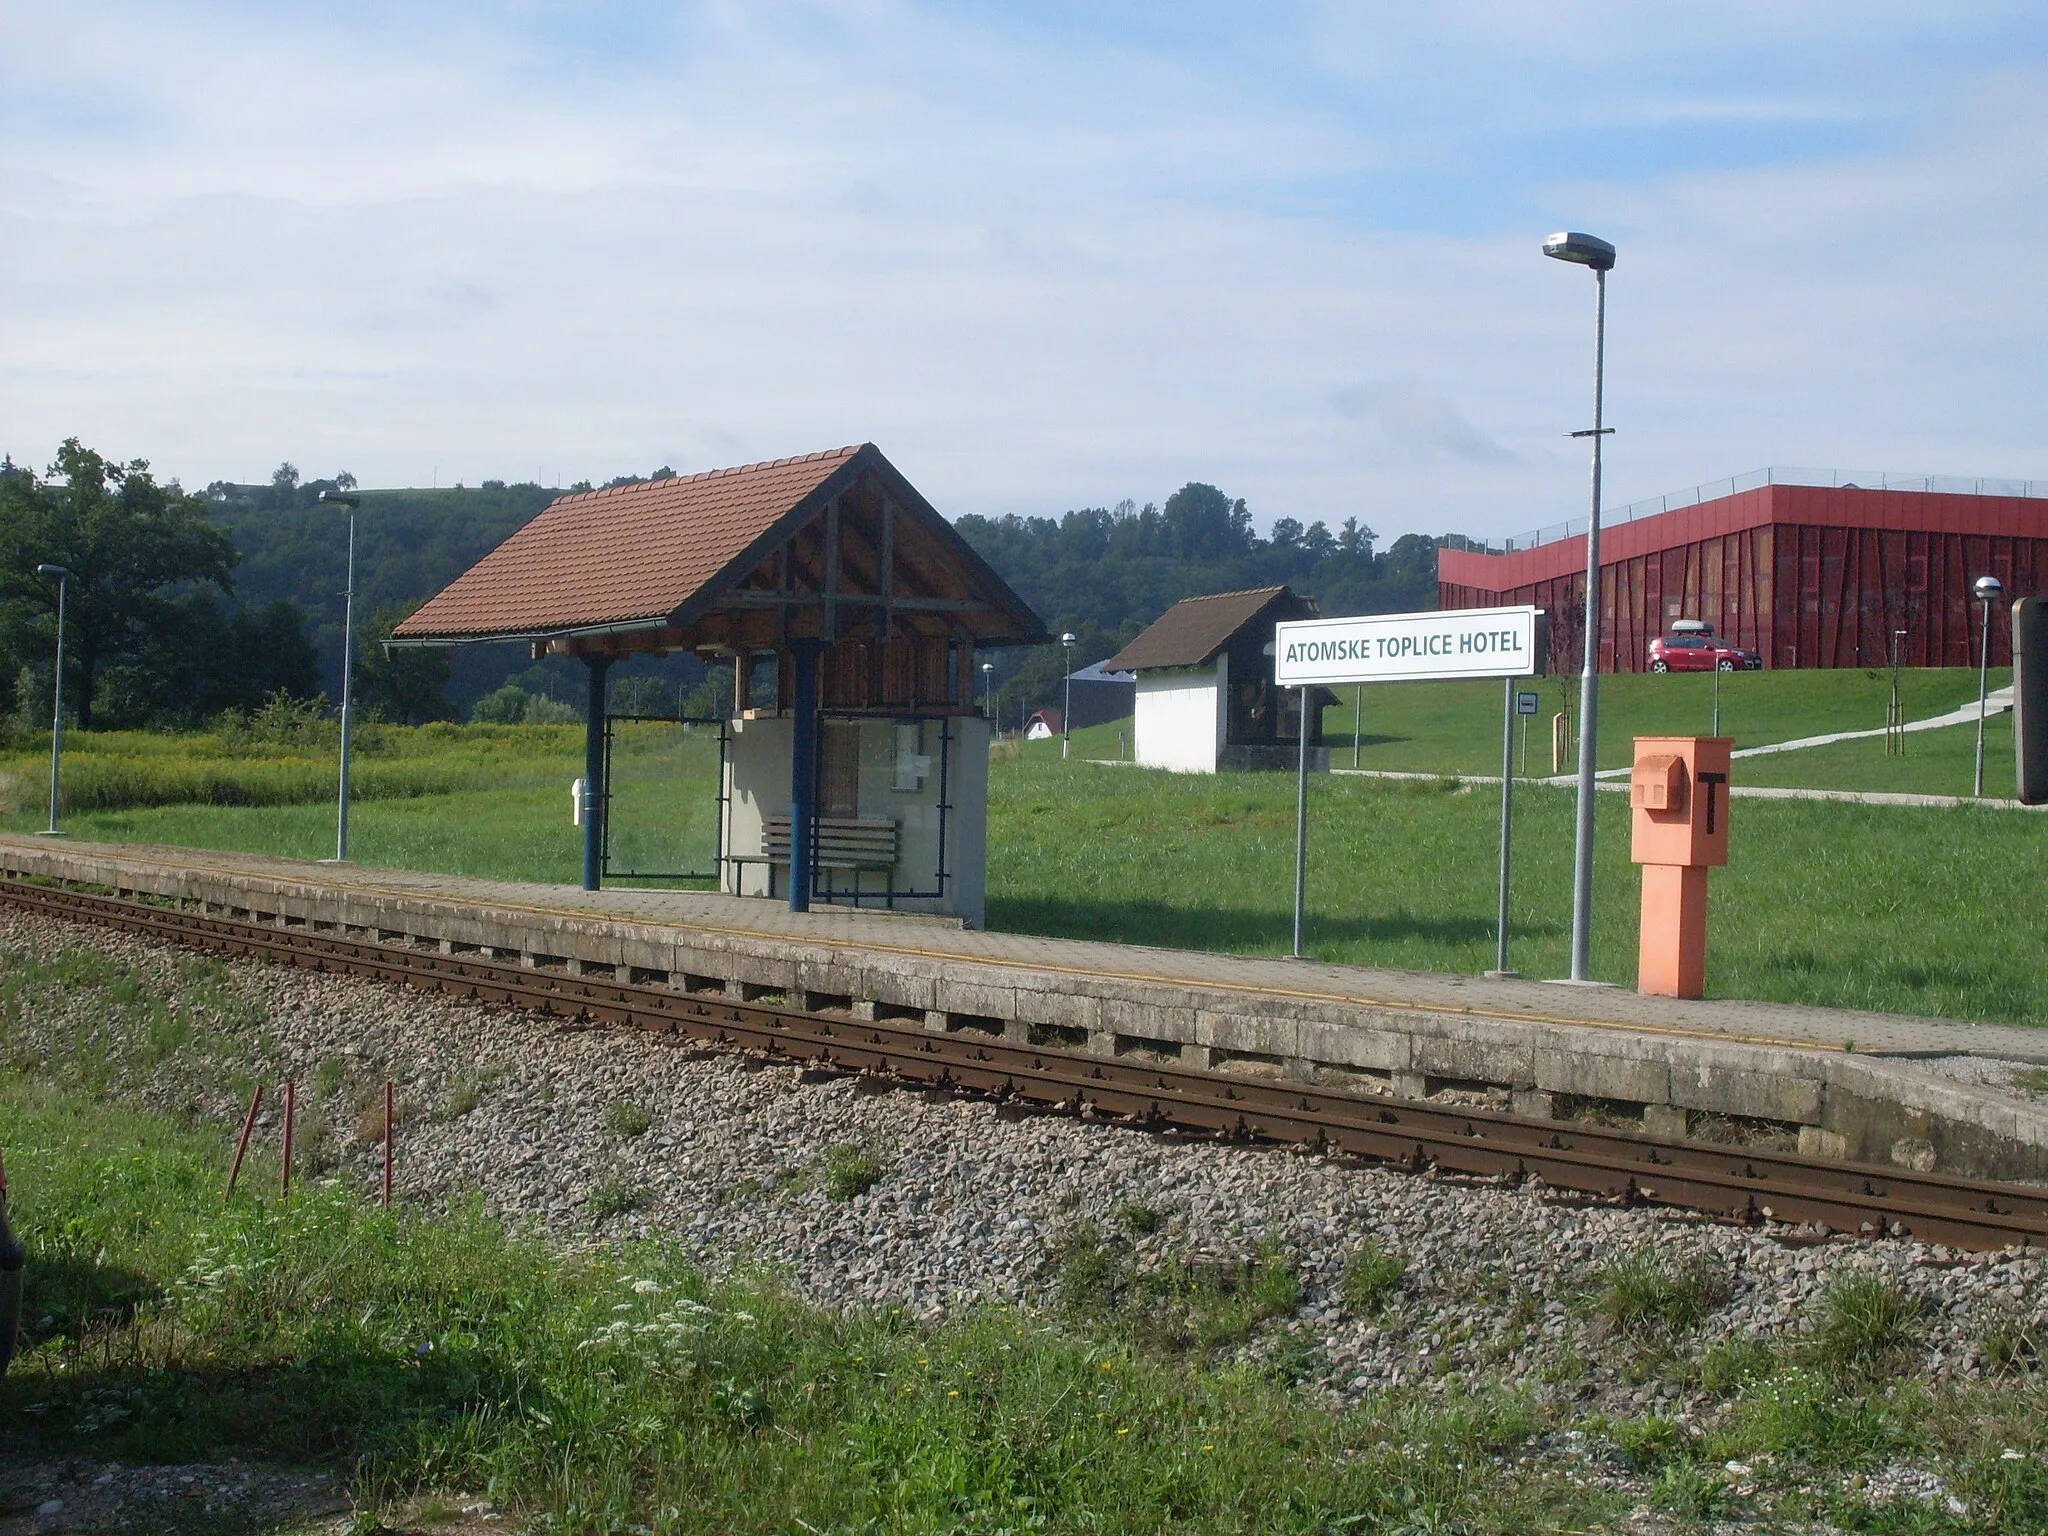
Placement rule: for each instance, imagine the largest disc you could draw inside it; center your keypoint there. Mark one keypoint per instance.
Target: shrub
(1372, 1278)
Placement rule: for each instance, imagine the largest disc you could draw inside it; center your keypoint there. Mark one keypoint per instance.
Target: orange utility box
(1678, 804)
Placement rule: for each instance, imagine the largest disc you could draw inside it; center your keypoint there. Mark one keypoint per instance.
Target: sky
(1044, 255)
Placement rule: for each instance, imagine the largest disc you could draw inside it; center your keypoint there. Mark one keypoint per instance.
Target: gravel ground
(604, 1134)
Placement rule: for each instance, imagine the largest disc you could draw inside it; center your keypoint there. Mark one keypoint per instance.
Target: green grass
(1901, 909)
(1372, 1278)
(1645, 1293)
(1941, 762)
(600, 1390)
(1455, 727)
(1839, 904)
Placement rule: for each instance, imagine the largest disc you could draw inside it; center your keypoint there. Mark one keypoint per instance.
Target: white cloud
(1041, 269)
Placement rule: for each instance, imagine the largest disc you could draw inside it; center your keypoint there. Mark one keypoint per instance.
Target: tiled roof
(1194, 629)
(631, 554)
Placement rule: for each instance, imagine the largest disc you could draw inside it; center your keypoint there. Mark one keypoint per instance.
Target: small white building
(1205, 693)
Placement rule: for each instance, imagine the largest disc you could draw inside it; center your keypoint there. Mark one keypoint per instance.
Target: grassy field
(428, 1354)
(1455, 727)
(1837, 904)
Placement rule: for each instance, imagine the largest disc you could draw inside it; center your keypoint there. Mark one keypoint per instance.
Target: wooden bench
(844, 842)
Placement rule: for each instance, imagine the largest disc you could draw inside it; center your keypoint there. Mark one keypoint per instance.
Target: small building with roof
(1205, 696)
(855, 762)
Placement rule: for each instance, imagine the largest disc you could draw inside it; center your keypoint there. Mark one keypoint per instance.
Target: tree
(403, 684)
(128, 543)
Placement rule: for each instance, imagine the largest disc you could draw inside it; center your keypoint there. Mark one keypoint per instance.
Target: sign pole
(1301, 827)
(1507, 803)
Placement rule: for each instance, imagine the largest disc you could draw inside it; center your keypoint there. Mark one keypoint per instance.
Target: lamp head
(341, 499)
(57, 571)
(1067, 638)
(1989, 589)
(1586, 250)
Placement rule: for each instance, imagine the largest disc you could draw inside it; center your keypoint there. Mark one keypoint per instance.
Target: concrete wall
(891, 788)
(1180, 717)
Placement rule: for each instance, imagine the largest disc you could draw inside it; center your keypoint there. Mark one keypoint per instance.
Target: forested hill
(1104, 573)
(409, 545)
(1114, 568)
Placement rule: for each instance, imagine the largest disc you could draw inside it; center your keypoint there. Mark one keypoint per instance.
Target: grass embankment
(1455, 727)
(609, 1389)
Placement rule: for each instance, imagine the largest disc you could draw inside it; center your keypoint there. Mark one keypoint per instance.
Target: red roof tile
(631, 554)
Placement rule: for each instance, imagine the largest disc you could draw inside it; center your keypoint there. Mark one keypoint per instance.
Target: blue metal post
(596, 792)
(803, 771)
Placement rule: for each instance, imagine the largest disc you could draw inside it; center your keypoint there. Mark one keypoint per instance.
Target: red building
(1806, 575)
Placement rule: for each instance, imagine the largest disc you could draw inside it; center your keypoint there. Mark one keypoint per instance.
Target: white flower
(646, 1287)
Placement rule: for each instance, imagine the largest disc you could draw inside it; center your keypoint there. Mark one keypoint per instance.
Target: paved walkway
(1420, 991)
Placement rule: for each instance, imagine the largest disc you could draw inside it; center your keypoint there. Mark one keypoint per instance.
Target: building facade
(1805, 575)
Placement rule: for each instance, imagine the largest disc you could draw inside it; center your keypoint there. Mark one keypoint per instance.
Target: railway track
(1732, 1183)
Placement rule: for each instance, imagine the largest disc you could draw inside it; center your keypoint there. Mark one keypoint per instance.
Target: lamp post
(1988, 589)
(1067, 698)
(348, 649)
(988, 694)
(63, 576)
(1588, 251)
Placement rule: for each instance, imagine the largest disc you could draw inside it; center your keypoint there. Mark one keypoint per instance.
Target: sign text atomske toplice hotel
(1409, 647)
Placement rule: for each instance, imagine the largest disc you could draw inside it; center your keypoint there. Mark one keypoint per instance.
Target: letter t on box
(1678, 803)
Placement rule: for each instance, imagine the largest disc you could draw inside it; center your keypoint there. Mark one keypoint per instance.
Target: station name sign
(1410, 647)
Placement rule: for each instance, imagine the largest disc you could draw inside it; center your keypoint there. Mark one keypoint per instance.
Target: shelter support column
(596, 788)
(803, 770)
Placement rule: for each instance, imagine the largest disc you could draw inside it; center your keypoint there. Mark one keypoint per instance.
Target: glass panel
(665, 786)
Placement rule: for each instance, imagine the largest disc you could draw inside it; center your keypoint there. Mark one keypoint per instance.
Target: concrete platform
(1842, 1083)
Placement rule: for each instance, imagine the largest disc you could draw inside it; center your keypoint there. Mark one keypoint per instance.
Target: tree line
(1103, 574)
(183, 607)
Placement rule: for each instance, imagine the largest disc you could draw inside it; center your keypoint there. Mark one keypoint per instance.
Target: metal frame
(821, 888)
(603, 801)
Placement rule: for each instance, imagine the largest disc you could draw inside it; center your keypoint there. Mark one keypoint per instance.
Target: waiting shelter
(1205, 694)
(855, 762)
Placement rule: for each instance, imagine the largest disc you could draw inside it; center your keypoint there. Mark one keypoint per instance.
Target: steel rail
(1733, 1183)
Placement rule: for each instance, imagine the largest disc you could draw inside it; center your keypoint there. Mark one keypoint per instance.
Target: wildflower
(647, 1287)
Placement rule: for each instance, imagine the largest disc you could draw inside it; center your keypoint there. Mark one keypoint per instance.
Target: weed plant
(1645, 1293)
(1864, 1322)
(1188, 1304)
(1372, 1278)
(627, 1119)
(851, 1170)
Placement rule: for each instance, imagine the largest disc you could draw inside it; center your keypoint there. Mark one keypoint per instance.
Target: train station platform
(1841, 1082)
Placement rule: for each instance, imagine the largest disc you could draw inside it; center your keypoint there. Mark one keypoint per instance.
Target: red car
(1700, 651)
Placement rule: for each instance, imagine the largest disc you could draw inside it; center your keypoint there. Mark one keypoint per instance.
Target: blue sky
(1045, 256)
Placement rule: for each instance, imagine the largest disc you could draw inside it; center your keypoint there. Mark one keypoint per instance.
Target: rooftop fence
(1756, 479)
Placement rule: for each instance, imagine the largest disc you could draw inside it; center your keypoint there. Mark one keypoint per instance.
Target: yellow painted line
(1247, 989)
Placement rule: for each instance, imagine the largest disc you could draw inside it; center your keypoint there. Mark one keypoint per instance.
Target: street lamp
(350, 500)
(988, 693)
(1588, 251)
(1988, 589)
(1067, 700)
(56, 693)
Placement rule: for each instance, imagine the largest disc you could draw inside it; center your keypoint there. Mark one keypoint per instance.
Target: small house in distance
(1205, 693)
